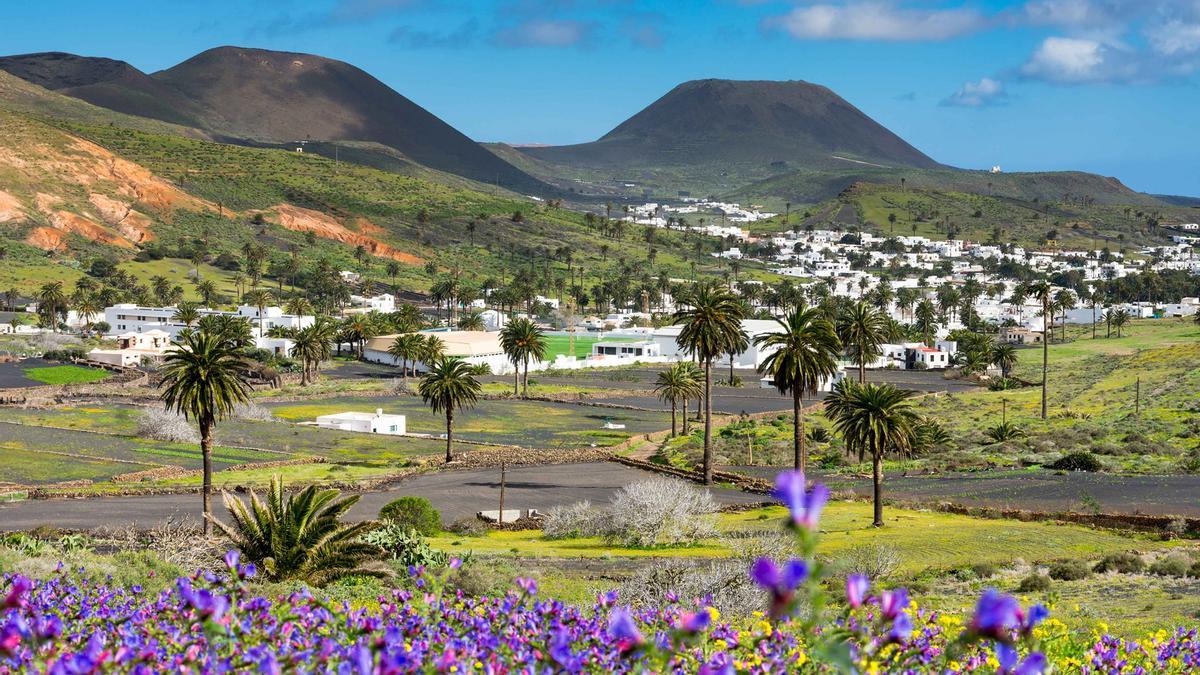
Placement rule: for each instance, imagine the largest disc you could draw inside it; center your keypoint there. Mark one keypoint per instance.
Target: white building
(478, 348)
(131, 318)
(634, 350)
(365, 423)
(132, 348)
(384, 302)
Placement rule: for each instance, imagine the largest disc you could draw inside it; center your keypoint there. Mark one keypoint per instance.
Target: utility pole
(500, 516)
(1137, 397)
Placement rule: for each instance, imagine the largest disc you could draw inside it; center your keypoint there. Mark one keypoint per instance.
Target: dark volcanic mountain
(747, 123)
(262, 96)
(108, 83)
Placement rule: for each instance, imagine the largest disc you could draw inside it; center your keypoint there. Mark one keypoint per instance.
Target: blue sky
(1108, 86)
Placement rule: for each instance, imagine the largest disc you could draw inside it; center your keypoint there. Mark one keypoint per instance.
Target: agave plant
(301, 536)
(1005, 431)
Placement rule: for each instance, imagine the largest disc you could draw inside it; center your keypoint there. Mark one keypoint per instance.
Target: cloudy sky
(1108, 86)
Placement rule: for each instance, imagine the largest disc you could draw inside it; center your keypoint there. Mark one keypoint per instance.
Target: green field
(66, 374)
(535, 424)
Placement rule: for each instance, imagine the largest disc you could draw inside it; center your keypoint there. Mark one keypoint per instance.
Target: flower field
(223, 621)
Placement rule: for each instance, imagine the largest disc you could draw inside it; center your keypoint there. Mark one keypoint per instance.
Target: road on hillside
(1033, 490)
(454, 493)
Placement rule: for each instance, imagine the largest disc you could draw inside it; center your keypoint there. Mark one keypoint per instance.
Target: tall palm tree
(203, 379)
(208, 292)
(187, 314)
(712, 323)
(471, 322)
(299, 306)
(805, 356)
(522, 340)
(259, 298)
(926, 322)
(312, 345)
(1041, 291)
(52, 301)
(863, 331)
(88, 308)
(448, 386)
(677, 384)
(406, 348)
(696, 375)
(876, 420)
(1005, 358)
(1119, 320)
(300, 536)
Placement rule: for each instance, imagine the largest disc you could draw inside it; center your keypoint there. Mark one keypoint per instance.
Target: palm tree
(393, 269)
(805, 356)
(1005, 358)
(926, 322)
(1119, 320)
(299, 306)
(712, 323)
(300, 536)
(863, 331)
(234, 330)
(448, 386)
(521, 340)
(88, 308)
(312, 345)
(876, 420)
(52, 301)
(187, 314)
(471, 322)
(259, 298)
(406, 348)
(208, 292)
(204, 378)
(1041, 291)
(677, 384)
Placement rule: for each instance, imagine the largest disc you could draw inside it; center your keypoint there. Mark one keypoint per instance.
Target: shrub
(1078, 461)
(723, 583)
(405, 546)
(1176, 527)
(661, 511)
(160, 424)
(1070, 570)
(1034, 583)
(413, 513)
(577, 520)
(984, 570)
(877, 561)
(253, 412)
(468, 526)
(491, 577)
(1125, 563)
(1174, 565)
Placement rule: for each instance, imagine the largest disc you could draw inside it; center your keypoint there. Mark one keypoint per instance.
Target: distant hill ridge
(275, 97)
(750, 122)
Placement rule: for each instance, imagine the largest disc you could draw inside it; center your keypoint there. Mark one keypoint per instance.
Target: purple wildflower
(16, 592)
(622, 628)
(892, 602)
(857, 586)
(527, 585)
(996, 616)
(805, 505)
(1011, 664)
(780, 583)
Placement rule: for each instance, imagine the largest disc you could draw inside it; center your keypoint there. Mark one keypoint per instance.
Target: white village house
(377, 422)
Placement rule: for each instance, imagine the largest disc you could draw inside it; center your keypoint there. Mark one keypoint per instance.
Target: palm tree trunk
(877, 480)
(525, 379)
(862, 369)
(731, 369)
(685, 417)
(206, 460)
(1093, 321)
(708, 468)
(673, 406)
(516, 378)
(1045, 353)
(449, 434)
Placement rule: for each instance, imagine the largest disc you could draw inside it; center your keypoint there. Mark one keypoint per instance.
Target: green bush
(983, 570)
(1034, 583)
(1078, 461)
(406, 547)
(413, 513)
(1174, 565)
(468, 527)
(1125, 563)
(1069, 570)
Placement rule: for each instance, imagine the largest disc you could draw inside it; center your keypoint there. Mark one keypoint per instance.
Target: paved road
(12, 374)
(454, 493)
(1038, 490)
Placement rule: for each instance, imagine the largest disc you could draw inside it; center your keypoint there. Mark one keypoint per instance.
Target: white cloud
(985, 92)
(876, 21)
(545, 33)
(1175, 38)
(1068, 60)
